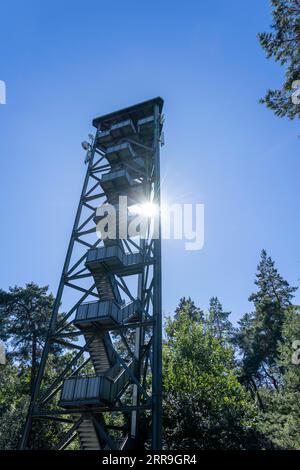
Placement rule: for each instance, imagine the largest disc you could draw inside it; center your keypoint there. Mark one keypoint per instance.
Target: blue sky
(67, 62)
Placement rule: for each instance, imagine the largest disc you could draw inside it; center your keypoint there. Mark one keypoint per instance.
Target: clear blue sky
(67, 62)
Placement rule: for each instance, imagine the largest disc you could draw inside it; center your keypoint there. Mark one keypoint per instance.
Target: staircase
(100, 357)
(126, 176)
(106, 286)
(88, 436)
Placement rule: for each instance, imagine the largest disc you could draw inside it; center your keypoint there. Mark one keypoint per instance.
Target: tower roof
(135, 112)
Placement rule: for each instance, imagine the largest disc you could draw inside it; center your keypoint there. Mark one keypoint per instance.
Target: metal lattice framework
(107, 313)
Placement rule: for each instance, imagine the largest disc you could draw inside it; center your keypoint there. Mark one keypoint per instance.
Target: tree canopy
(282, 44)
(225, 386)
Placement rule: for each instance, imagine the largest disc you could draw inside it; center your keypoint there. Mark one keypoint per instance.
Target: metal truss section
(107, 394)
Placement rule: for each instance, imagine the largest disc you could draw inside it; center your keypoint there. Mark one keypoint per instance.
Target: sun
(147, 209)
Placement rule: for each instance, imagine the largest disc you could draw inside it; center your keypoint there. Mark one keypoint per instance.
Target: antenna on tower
(87, 146)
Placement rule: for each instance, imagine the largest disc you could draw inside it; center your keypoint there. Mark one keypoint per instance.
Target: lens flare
(147, 209)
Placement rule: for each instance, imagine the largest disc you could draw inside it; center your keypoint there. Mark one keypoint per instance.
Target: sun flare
(147, 209)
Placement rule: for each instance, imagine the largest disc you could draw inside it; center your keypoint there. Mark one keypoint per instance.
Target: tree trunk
(33, 362)
(261, 405)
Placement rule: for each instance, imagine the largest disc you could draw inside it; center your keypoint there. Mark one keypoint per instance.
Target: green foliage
(13, 404)
(224, 388)
(25, 311)
(24, 321)
(260, 332)
(281, 419)
(205, 406)
(272, 288)
(283, 45)
(187, 307)
(25, 314)
(218, 321)
(14, 400)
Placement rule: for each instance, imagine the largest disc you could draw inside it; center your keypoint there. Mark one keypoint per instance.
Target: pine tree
(281, 419)
(273, 297)
(272, 288)
(25, 313)
(218, 321)
(188, 307)
(260, 333)
(283, 45)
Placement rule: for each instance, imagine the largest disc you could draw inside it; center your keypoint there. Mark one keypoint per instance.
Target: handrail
(113, 380)
(112, 301)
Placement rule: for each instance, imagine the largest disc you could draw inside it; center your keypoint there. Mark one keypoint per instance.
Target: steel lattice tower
(107, 312)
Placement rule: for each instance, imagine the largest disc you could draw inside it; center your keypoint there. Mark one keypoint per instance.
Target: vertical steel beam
(157, 299)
